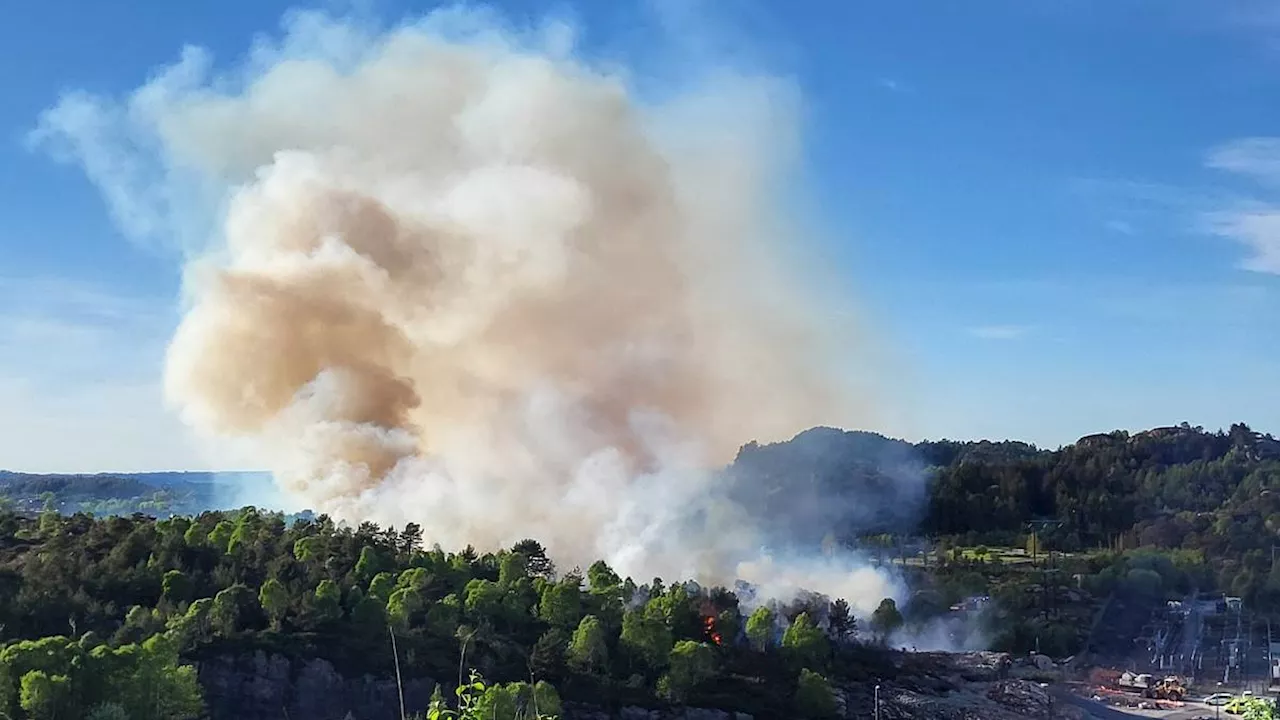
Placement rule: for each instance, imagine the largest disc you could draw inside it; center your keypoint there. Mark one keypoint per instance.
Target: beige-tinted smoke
(473, 283)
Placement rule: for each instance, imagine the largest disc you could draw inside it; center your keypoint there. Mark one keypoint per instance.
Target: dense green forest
(99, 615)
(1206, 499)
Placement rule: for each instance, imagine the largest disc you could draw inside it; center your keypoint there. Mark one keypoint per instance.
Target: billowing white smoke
(463, 279)
(948, 633)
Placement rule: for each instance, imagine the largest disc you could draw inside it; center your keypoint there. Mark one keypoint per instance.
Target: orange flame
(709, 626)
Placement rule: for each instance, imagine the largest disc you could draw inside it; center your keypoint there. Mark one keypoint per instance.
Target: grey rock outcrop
(960, 686)
(575, 711)
(259, 686)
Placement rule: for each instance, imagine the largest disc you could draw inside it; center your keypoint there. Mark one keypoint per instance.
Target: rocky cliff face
(271, 687)
(259, 686)
(584, 712)
(968, 686)
(929, 686)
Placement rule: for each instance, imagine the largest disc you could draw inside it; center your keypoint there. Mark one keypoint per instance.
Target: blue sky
(1061, 217)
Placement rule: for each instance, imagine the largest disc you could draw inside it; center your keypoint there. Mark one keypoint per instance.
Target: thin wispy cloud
(998, 332)
(1252, 222)
(1249, 14)
(156, 205)
(57, 330)
(1121, 227)
(1257, 227)
(60, 295)
(73, 132)
(1256, 157)
(1122, 206)
(892, 85)
(78, 369)
(1141, 196)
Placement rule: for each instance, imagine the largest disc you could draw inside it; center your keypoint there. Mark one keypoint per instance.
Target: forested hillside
(1212, 495)
(1107, 485)
(101, 612)
(1169, 488)
(1101, 488)
(96, 615)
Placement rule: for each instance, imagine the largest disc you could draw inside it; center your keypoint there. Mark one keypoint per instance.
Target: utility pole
(1051, 586)
(877, 702)
(1035, 540)
(395, 655)
(1036, 527)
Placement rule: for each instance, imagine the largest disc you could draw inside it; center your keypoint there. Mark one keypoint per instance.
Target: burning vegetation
(709, 630)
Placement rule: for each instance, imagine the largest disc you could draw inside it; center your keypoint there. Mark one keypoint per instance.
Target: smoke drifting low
(462, 278)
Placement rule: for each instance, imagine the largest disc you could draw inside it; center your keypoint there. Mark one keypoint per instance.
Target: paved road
(1107, 712)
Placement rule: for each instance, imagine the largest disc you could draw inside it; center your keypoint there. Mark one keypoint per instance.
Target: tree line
(1209, 498)
(103, 617)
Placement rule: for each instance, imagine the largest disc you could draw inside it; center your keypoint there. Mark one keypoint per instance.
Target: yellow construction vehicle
(1170, 688)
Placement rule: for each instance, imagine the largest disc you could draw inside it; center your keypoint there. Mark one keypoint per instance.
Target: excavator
(1170, 688)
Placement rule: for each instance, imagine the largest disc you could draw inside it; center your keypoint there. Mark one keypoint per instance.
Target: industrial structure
(1211, 641)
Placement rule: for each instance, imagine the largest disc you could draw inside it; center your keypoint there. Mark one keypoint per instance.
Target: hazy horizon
(226, 471)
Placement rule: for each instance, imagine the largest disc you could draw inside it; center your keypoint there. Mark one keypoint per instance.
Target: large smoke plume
(465, 278)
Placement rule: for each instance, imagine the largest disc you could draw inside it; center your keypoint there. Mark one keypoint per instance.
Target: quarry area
(998, 686)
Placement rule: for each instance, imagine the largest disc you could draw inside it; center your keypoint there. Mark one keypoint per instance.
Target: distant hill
(1173, 486)
(72, 486)
(153, 493)
(154, 479)
(828, 482)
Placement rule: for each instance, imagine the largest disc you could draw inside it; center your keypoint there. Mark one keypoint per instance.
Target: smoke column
(462, 278)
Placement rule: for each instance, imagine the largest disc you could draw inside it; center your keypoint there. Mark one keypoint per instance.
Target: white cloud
(1258, 228)
(999, 332)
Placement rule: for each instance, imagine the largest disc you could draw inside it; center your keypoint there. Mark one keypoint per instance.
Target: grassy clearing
(1012, 556)
(994, 554)
(1006, 555)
